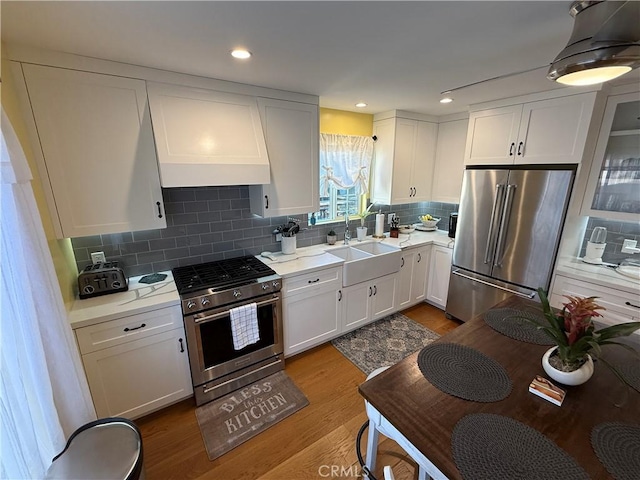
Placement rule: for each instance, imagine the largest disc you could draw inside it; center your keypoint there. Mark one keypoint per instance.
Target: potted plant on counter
(332, 237)
(572, 330)
(361, 231)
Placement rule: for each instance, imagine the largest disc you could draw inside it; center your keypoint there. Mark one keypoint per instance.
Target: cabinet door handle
(520, 145)
(375, 289)
(181, 345)
(339, 295)
(266, 198)
(632, 305)
(402, 264)
(511, 149)
(159, 210)
(419, 257)
(127, 329)
(414, 191)
(370, 291)
(314, 281)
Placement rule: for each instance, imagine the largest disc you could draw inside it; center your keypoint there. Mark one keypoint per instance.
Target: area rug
(384, 342)
(233, 419)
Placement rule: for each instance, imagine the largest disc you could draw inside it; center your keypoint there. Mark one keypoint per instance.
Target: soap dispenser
(595, 246)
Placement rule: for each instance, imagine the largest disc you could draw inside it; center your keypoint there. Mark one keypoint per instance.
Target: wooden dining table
(426, 416)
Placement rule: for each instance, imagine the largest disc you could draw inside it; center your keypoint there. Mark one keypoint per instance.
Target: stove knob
(276, 284)
(265, 286)
(236, 293)
(191, 304)
(205, 302)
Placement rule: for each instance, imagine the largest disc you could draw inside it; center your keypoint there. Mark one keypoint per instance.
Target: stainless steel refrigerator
(509, 225)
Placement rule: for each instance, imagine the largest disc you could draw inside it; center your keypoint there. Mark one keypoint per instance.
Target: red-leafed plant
(574, 333)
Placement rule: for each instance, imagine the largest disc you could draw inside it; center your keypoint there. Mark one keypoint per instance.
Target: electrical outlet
(390, 217)
(630, 246)
(97, 257)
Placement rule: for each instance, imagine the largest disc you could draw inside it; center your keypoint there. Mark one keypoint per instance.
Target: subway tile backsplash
(617, 232)
(205, 224)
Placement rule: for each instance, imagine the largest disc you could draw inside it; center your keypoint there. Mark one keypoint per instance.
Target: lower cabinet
(364, 302)
(412, 278)
(311, 309)
(439, 271)
(136, 364)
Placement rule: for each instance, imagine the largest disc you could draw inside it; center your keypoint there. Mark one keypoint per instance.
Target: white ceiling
(391, 55)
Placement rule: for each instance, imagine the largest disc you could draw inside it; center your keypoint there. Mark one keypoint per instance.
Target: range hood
(207, 138)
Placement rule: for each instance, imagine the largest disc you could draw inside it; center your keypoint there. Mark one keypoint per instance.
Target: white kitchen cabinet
(311, 309)
(98, 162)
(620, 306)
(545, 131)
(403, 160)
(449, 164)
(613, 188)
(206, 137)
(412, 278)
(365, 302)
(439, 271)
(291, 133)
(136, 364)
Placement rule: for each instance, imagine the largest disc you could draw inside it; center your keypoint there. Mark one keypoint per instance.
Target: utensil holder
(288, 245)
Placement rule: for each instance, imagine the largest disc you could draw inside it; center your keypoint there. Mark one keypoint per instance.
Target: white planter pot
(361, 232)
(331, 239)
(577, 377)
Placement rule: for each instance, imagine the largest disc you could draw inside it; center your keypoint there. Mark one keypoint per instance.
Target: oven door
(210, 342)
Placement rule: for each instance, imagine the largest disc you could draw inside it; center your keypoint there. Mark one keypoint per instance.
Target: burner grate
(223, 273)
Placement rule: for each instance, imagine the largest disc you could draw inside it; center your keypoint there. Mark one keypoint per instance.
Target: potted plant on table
(577, 341)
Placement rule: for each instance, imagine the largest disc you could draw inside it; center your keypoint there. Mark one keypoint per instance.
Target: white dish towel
(244, 325)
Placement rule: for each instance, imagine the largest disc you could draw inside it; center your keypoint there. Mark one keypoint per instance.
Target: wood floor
(316, 442)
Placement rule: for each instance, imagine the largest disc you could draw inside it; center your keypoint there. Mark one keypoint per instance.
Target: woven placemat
(489, 446)
(464, 372)
(630, 370)
(509, 322)
(617, 446)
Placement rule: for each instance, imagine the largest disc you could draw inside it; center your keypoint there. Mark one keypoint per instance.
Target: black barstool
(107, 448)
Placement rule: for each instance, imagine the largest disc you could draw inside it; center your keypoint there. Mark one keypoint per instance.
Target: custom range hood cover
(207, 138)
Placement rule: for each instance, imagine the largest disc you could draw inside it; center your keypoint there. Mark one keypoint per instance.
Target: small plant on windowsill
(331, 237)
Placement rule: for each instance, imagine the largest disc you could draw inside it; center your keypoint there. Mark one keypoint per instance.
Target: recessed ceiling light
(240, 53)
(446, 100)
(361, 104)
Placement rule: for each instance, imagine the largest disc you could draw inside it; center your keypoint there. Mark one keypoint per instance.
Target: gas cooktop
(219, 275)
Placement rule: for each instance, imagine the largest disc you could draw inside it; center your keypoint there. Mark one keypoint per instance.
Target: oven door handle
(208, 318)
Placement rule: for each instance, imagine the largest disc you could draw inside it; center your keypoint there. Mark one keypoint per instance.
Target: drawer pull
(181, 345)
(135, 328)
(314, 281)
(159, 211)
(339, 295)
(632, 305)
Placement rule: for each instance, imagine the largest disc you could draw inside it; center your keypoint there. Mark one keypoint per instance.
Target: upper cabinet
(449, 166)
(613, 189)
(291, 132)
(403, 161)
(545, 131)
(98, 162)
(206, 137)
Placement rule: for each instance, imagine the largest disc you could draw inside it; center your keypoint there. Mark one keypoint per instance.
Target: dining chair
(379, 424)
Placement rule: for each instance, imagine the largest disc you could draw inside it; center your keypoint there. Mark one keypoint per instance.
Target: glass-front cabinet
(613, 190)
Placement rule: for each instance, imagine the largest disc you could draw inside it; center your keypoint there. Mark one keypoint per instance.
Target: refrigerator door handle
(504, 225)
(520, 294)
(497, 206)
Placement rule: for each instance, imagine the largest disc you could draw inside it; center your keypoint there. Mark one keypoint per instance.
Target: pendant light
(604, 43)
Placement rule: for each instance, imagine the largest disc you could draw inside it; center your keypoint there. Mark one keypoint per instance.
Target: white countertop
(140, 297)
(317, 257)
(597, 274)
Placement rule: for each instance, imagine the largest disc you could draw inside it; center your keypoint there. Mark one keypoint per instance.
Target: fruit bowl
(428, 221)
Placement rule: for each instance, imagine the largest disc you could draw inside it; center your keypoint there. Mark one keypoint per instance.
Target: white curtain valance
(345, 161)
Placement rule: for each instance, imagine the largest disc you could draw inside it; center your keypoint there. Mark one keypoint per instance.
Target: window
(345, 163)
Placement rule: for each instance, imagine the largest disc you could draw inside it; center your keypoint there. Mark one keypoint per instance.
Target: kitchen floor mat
(384, 342)
(239, 416)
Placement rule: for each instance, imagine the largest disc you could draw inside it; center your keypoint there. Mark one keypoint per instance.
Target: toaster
(102, 278)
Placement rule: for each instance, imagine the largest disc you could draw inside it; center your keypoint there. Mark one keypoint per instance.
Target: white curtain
(345, 161)
(44, 396)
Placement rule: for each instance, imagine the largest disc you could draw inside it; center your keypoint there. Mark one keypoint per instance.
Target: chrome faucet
(347, 234)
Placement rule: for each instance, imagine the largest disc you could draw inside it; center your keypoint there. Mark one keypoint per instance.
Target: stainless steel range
(209, 291)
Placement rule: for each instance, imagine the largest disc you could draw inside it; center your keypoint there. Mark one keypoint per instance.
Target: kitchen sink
(367, 261)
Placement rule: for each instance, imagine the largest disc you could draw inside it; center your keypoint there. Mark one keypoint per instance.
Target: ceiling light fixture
(446, 100)
(240, 53)
(361, 104)
(604, 43)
